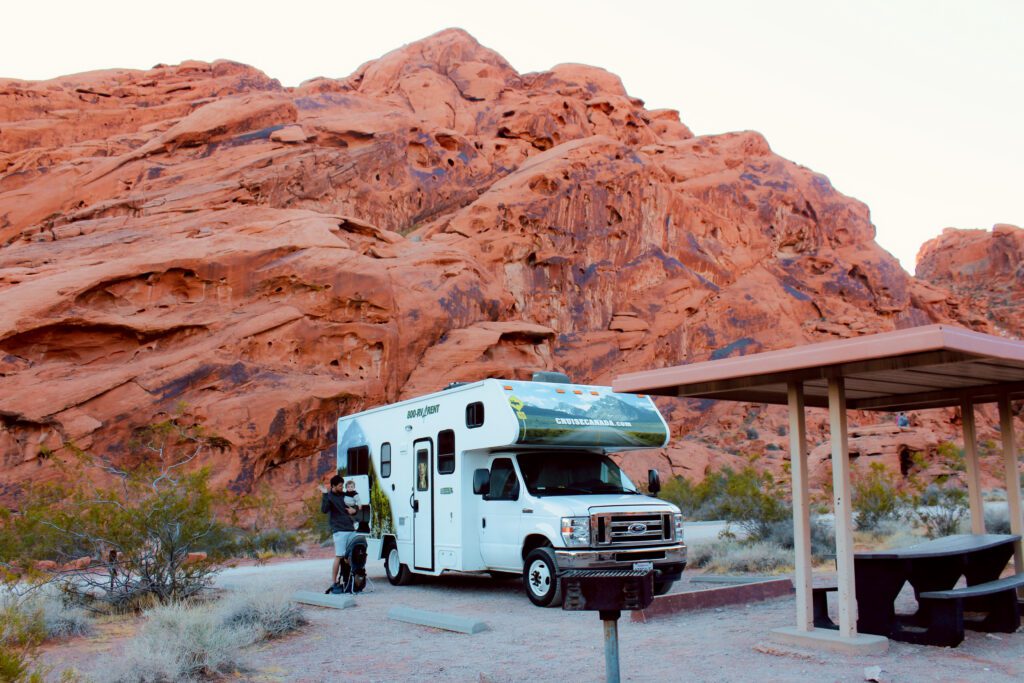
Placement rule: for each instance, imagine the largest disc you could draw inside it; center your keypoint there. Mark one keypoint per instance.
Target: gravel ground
(527, 643)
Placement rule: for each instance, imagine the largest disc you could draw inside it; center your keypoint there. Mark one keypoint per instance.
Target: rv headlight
(679, 526)
(576, 531)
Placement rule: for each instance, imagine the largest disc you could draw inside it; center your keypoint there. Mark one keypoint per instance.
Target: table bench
(933, 569)
(997, 600)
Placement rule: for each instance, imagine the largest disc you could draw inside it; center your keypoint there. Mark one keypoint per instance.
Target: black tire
(540, 578)
(662, 587)
(398, 573)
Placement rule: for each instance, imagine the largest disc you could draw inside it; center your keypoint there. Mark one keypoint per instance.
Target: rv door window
(475, 415)
(358, 461)
(446, 452)
(504, 483)
(385, 460)
(422, 470)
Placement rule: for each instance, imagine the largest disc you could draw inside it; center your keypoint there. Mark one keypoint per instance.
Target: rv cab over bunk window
(446, 451)
(475, 415)
(385, 460)
(358, 461)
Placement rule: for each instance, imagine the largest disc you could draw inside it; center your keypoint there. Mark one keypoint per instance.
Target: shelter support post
(801, 506)
(1012, 477)
(842, 506)
(971, 456)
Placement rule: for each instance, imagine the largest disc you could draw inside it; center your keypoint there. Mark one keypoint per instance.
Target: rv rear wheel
(398, 573)
(540, 578)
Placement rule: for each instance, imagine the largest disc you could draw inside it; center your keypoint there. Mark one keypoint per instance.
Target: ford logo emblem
(637, 528)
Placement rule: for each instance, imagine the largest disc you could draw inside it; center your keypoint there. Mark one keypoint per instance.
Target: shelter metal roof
(921, 367)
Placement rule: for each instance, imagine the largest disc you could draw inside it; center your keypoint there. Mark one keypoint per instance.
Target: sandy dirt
(527, 643)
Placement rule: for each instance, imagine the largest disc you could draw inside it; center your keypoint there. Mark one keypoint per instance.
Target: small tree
(151, 534)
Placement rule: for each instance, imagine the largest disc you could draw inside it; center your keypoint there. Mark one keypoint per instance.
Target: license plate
(643, 566)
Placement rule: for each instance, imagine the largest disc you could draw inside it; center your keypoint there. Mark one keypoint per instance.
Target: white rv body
(440, 524)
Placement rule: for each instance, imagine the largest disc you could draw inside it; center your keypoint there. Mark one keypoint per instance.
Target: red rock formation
(196, 239)
(984, 269)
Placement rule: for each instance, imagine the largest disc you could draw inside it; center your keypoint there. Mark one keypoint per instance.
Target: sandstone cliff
(196, 239)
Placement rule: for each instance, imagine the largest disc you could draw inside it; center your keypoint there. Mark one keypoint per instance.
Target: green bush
(876, 499)
(750, 499)
(21, 634)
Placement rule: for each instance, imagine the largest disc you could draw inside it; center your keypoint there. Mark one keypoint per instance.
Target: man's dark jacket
(334, 506)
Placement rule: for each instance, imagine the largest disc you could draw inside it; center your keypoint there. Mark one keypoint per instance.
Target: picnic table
(933, 569)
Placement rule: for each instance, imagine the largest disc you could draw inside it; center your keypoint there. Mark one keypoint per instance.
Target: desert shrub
(136, 536)
(738, 557)
(21, 634)
(700, 554)
(315, 523)
(997, 519)
(875, 499)
(823, 537)
(54, 608)
(750, 499)
(952, 456)
(995, 495)
(264, 612)
(179, 642)
(752, 434)
(941, 510)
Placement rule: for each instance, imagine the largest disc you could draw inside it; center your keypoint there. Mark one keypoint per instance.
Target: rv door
(423, 505)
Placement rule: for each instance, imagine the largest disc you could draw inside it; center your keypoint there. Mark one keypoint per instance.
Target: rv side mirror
(481, 482)
(653, 482)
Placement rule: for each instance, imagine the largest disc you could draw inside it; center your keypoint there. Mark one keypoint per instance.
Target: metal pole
(610, 618)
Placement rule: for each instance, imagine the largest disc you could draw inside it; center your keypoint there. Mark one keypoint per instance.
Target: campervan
(513, 477)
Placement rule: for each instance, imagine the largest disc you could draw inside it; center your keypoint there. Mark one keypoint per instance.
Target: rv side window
(504, 484)
(358, 461)
(385, 460)
(475, 415)
(446, 452)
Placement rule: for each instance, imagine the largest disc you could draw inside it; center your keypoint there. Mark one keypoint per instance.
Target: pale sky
(912, 106)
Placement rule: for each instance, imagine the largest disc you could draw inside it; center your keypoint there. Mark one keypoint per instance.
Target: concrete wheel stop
(448, 622)
(324, 600)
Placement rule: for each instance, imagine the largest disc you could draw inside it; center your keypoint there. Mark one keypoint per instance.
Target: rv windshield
(562, 474)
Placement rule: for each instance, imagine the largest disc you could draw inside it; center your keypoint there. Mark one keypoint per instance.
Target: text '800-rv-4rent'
(512, 477)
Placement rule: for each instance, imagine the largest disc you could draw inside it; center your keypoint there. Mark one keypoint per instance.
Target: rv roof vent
(453, 385)
(553, 377)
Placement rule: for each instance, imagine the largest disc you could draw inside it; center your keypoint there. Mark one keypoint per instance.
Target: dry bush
(180, 642)
(53, 608)
(190, 641)
(726, 557)
(997, 519)
(263, 611)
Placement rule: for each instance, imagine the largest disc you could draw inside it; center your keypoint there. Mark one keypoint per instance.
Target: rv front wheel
(398, 573)
(540, 578)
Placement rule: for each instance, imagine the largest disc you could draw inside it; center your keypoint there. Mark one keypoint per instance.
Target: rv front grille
(631, 528)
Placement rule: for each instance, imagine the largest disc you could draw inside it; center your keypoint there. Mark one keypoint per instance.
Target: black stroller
(352, 572)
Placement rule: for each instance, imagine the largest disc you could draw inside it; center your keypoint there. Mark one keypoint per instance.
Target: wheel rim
(393, 562)
(539, 578)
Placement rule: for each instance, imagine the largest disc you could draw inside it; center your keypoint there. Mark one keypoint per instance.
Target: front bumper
(671, 558)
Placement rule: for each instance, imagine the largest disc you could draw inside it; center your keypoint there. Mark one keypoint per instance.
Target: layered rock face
(984, 268)
(196, 240)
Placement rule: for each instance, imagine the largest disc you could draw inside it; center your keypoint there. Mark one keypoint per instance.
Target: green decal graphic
(585, 417)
